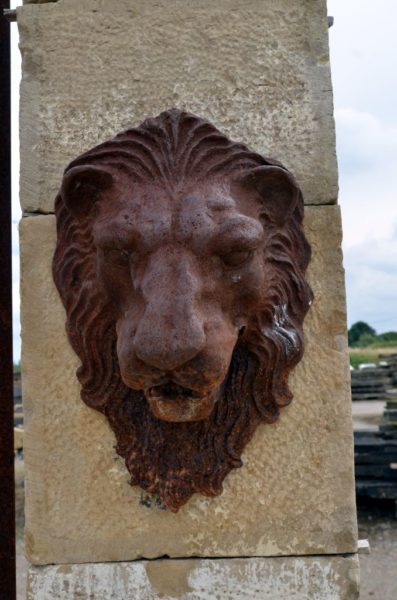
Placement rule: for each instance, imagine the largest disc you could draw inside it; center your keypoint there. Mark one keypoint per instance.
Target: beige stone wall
(307, 578)
(294, 494)
(259, 70)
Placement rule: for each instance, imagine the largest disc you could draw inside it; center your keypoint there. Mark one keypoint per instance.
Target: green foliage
(358, 358)
(362, 335)
(366, 345)
(357, 330)
(365, 340)
(389, 336)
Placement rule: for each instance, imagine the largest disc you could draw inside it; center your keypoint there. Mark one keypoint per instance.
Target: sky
(363, 52)
(16, 211)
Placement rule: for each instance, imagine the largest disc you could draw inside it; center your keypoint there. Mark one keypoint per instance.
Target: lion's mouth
(175, 403)
(172, 391)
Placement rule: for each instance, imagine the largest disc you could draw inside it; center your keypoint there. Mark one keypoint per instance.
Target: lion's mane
(175, 460)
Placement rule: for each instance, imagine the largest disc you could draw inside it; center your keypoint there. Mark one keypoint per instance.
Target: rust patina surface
(180, 262)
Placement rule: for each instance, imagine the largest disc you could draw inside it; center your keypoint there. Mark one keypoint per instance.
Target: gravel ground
(22, 564)
(22, 568)
(379, 569)
(367, 414)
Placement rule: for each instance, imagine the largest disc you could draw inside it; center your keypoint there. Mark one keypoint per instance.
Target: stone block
(290, 578)
(258, 69)
(293, 496)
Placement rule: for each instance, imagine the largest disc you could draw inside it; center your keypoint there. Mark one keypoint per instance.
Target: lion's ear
(82, 186)
(277, 188)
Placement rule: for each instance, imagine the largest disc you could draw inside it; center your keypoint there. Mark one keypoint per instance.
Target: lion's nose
(165, 344)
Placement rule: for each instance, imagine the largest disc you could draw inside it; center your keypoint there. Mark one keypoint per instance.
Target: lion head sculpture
(180, 261)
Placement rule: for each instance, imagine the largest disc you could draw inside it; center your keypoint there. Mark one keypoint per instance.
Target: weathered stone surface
(294, 494)
(317, 578)
(258, 69)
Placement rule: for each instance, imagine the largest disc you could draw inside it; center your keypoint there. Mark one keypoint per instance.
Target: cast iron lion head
(180, 262)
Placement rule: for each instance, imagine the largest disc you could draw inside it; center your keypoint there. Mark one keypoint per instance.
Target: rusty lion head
(180, 262)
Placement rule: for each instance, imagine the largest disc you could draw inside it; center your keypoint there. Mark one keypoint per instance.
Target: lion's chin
(176, 404)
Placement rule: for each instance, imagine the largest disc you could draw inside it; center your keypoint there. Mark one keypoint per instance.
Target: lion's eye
(236, 258)
(118, 256)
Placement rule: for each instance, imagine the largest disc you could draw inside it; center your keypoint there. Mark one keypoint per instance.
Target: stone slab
(294, 495)
(258, 69)
(317, 578)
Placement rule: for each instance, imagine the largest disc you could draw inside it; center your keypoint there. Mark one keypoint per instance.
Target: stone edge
(332, 577)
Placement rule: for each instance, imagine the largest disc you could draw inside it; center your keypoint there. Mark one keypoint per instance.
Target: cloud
(371, 283)
(363, 63)
(16, 210)
(364, 143)
(367, 157)
(363, 55)
(16, 325)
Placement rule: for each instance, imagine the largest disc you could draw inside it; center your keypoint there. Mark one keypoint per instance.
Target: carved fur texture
(175, 460)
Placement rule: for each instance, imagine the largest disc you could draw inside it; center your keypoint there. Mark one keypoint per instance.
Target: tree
(388, 336)
(357, 330)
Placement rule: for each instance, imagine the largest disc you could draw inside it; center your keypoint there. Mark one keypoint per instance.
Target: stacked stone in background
(376, 467)
(390, 362)
(388, 425)
(376, 451)
(18, 410)
(376, 383)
